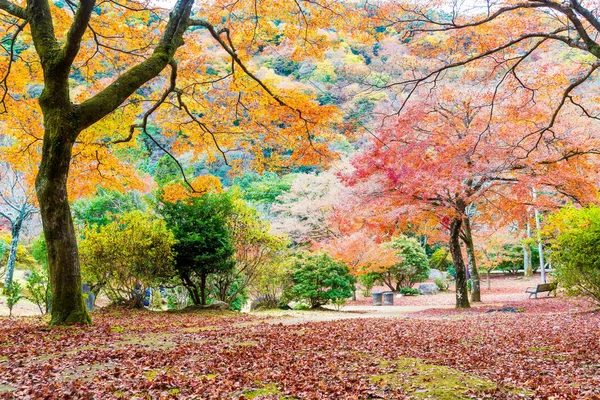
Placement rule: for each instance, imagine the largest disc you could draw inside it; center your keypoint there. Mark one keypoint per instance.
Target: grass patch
(7, 388)
(195, 329)
(422, 380)
(85, 372)
(150, 341)
(246, 344)
(265, 391)
(151, 374)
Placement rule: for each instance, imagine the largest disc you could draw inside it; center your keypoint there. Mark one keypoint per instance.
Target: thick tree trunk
(472, 261)
(12, 256)
(462, 294)
(61, 243)
(527, 265)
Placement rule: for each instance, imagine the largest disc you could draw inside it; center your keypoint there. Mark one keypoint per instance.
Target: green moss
(207, 376)
(118, 329)
(245, 344)
(265, 391)
(195, 329)
(422, 380)
(151, 374)
(542, 348)
(151, 341)
(7, 388)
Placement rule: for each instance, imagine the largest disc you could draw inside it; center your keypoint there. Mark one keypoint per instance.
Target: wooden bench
(542, 287)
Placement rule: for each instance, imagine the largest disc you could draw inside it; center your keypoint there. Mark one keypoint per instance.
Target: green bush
(441, 259)
(39, 290)
(368, 280)
(575, 250)
(442, 284)
(317, 279)
(408, 291)
(413, 268)
(13, 295)
(126, 256)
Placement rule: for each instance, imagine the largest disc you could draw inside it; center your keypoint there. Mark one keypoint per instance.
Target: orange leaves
(200, 184)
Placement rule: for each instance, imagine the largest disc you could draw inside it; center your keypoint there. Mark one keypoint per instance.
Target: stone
(506, 309)
(437, 274)
(217, 305)
(428, 288)
(264, 302)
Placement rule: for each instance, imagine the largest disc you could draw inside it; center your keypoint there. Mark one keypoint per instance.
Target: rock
(217, 305)
(264, 302)
(437, 274)
(506, 309)
(27, 273)
(428, 288)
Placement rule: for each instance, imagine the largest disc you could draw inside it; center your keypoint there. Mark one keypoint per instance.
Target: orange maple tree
(104, 72)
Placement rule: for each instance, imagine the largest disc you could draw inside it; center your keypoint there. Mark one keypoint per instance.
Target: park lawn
(144, 354)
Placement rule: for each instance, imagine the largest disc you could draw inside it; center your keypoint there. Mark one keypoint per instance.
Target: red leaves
(159, 355)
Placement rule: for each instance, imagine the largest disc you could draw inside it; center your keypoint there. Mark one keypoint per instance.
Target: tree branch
(105, 102)
(76, 31)
(13, 9)
(42, 29)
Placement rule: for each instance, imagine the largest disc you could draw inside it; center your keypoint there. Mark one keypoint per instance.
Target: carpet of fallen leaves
(147, 354)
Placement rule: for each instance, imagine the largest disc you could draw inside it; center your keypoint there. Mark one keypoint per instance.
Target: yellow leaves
(201, 185)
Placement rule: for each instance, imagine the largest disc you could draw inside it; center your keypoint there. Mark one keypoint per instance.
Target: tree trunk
(473, 272)
(12, 256)
(488, 279)
(203, 289)
(527, 265)
(462, 295)
(539, 239)
(191, 288)
(51, 189)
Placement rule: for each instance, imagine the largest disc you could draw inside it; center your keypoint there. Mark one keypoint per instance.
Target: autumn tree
(433, 164)
(89, 68)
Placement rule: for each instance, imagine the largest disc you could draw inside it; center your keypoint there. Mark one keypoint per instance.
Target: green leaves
(575, 250)
(127, 255)
(318, 279)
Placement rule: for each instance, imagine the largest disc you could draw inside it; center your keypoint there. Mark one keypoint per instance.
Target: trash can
(89, 297)
(377, 298)
(388, 298)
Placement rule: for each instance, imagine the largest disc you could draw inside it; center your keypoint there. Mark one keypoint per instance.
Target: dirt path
(293, 317)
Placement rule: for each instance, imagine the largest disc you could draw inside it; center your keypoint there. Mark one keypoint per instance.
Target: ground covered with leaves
(168, 355)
